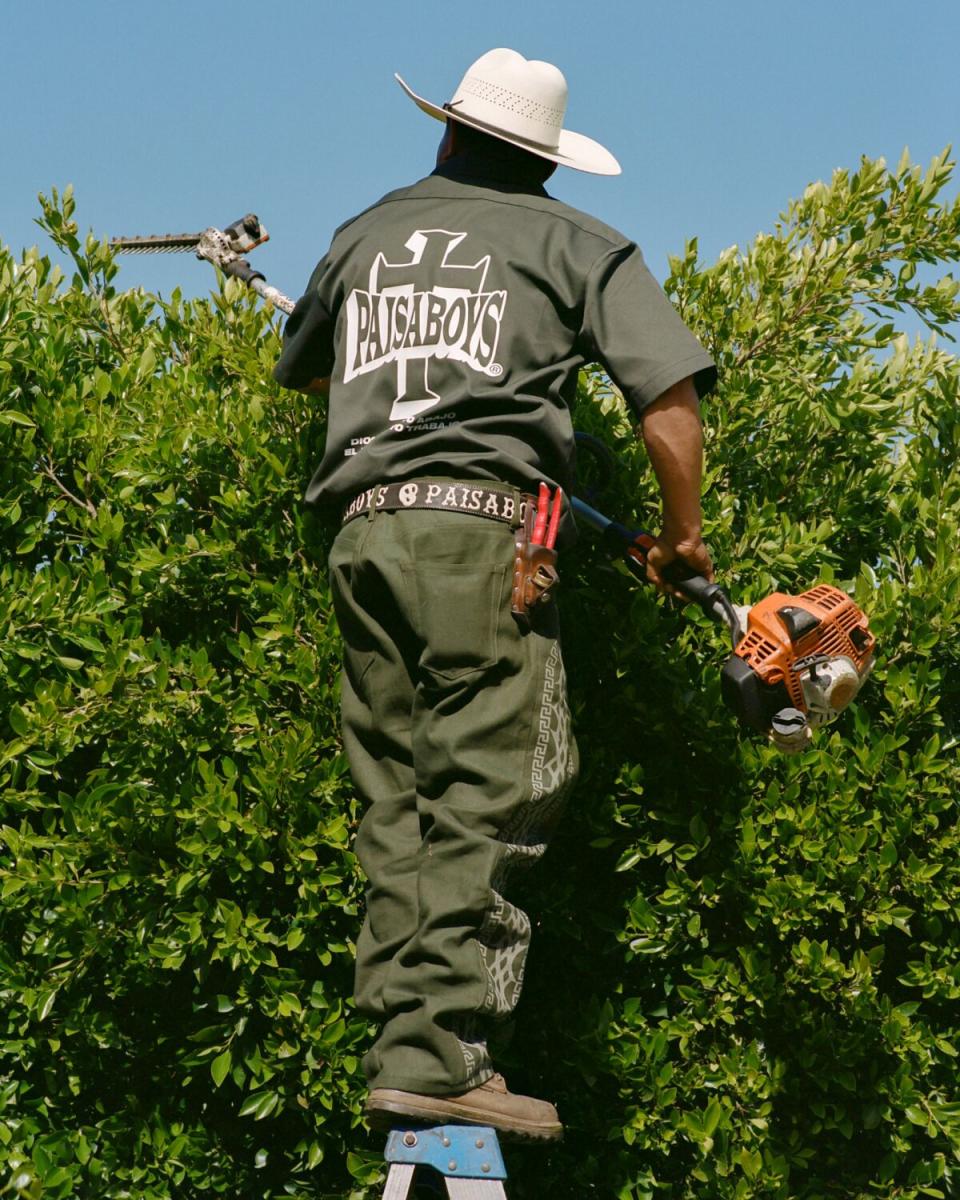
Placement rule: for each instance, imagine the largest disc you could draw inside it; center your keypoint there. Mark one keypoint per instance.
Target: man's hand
(691, 551)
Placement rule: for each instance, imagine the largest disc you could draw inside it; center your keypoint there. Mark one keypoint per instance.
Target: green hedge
(746, 969)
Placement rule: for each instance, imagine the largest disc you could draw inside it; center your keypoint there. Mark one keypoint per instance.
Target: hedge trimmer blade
(224, 248)
(238, 238)
(161, 243)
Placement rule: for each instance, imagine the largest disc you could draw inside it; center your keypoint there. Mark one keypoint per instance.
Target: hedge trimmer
(797, 661)
(222, 247)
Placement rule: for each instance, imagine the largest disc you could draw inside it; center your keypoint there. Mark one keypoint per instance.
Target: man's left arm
(306, 360)
(316, 387)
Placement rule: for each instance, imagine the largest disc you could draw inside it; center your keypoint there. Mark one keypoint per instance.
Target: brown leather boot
(489, 1104)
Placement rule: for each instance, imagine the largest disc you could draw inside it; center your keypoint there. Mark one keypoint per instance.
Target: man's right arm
(673, 436)
(630, 326)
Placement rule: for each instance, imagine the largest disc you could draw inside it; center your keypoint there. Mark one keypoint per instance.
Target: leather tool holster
(534, 570)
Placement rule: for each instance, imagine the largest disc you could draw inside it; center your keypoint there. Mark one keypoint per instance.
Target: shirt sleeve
(635, 333)
(307, 352)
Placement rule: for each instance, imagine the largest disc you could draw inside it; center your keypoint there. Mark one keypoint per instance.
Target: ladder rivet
(479, 1143)
(452, 1165)
(410, 1139)
(484, 1167)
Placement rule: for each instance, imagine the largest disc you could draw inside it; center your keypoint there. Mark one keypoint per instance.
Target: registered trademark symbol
(495, 369)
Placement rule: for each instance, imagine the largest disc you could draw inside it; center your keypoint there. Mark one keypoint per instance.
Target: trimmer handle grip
(241, 269)
(635, 551)
(709, 596)
(680, 573)
(635, 544)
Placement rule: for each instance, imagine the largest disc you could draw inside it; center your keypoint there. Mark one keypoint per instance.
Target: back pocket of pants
(458, 612)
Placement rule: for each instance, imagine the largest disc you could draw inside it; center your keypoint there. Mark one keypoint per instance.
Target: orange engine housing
(783, 629)
(823, 625)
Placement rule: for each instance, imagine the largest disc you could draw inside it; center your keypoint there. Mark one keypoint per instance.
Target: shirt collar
(475, 169)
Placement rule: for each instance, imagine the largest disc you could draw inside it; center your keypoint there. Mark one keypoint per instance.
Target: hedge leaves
(746, 976)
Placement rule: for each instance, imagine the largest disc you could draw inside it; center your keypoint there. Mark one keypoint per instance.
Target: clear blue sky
(172, 116)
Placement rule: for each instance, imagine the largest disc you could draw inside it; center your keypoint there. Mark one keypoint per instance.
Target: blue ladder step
(466, 1157)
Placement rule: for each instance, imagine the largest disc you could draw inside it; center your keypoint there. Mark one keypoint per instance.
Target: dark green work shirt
(452, 318)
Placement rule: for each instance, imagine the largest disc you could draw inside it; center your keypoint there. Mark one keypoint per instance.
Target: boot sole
(437, 1110)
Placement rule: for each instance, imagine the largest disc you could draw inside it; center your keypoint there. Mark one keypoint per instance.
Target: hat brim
(573, 150)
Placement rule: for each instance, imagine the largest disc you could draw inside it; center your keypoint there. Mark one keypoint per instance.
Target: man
(449, 322)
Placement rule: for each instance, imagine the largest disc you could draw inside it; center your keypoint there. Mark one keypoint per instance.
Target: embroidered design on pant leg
(477, 1063)
(551, 773)
(503, 939)
(504, 935)
(552, 770)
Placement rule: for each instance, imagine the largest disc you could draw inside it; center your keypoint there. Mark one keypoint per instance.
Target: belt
(508, 507)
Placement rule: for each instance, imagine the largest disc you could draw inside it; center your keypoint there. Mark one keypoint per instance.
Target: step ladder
(466, 1158)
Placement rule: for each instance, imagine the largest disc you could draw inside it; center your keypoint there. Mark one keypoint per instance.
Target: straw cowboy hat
(521, 101)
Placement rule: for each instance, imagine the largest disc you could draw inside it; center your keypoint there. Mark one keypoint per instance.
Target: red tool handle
(540, 524)
(554, 519)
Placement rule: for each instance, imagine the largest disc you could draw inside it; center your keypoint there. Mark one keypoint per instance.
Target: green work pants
(456, 725)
